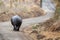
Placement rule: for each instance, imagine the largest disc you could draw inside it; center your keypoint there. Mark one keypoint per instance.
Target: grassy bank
(49, 30)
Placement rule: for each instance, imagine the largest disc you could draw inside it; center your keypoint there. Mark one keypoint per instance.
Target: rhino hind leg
(16, 28)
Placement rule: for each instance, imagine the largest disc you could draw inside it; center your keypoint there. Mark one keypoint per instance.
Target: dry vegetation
(27, 11)
(49, 30)
(35, 12)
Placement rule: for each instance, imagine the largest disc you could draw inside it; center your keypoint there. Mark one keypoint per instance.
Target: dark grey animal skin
(16, 21)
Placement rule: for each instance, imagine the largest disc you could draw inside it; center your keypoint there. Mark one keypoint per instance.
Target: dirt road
(7, 33)
(6, 29)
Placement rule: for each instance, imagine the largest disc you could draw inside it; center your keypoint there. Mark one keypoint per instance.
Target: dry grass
(49, 30)
(33, 12)
(25, 9)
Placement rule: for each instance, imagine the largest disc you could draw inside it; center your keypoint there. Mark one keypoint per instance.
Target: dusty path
(6, 32)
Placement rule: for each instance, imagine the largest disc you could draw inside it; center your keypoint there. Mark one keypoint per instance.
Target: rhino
(16, 21)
